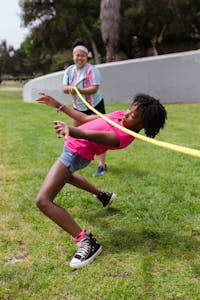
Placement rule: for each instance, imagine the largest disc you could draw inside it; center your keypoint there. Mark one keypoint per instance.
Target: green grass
(12, 85)
(150, 236)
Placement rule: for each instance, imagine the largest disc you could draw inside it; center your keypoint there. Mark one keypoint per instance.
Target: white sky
(10, 23)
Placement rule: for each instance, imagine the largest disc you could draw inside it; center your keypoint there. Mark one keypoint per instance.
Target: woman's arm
(68, 89)
(105, 138)
(74, 114)
(89, 90)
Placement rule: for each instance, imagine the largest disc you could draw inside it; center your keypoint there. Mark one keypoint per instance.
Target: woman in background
(87, 79)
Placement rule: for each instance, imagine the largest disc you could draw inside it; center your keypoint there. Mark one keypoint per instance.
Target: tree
(110, 19)
(56, 24)
(5, 56)
(131, 27)
(164, 26)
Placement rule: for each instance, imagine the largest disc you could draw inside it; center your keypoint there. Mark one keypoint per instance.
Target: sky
(10, 23)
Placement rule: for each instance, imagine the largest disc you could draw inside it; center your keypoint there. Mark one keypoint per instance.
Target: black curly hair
(153, 113)
(79, 42)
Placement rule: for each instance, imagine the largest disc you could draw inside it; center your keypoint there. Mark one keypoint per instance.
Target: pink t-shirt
(88, 149)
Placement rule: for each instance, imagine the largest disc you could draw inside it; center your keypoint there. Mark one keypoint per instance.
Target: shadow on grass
(118, 170)
(170, 242)
(119, 239)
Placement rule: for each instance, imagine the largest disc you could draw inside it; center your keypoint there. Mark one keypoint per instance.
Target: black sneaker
(101, 170)
(87, 249)
(106, 198)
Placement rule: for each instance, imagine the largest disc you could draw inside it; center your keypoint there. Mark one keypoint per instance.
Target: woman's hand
(61, 129)
(69, 89)
(48, 100)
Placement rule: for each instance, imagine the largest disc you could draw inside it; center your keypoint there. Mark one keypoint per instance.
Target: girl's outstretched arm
(74, 114)
(100, 137)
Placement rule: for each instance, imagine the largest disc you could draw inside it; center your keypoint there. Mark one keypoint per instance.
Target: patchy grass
(150, 236)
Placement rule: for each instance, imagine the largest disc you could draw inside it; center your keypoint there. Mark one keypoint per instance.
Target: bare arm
(74, 114)
(105, 138)
(100, 137)
(68, 89)
(78, 116)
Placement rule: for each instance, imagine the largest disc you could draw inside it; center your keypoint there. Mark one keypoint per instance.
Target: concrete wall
(172, 78)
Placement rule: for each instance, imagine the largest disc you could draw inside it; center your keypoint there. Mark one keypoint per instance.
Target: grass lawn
(150, 235)
(11, 84)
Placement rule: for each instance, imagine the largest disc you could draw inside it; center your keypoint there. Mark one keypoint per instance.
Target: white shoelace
(83, 248)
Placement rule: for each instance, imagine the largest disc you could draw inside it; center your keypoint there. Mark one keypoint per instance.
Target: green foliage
(168, 26)
(6, 53)
(150, 235)
(56, 24)
(147, 27)
(60, 60)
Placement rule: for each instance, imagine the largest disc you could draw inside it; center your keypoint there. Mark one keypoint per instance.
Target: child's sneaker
(87, 249)
(101, 170)
(106, 198)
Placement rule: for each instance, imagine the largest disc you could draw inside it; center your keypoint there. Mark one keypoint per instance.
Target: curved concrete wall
(172, 78)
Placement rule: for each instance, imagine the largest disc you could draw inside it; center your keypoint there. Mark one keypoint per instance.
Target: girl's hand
(61, 129)
(48, 100)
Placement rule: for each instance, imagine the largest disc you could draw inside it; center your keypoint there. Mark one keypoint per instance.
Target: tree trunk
(92, 42)
(110, 19)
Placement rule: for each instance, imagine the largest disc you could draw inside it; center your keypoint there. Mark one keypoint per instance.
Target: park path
(11, 89)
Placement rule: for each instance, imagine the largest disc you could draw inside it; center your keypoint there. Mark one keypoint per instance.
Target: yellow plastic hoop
(181, 149)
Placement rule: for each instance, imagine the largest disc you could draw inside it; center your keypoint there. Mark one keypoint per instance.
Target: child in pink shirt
(93, 137)
(88, 149)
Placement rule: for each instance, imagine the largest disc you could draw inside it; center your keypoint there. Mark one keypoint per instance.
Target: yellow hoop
(181, 149)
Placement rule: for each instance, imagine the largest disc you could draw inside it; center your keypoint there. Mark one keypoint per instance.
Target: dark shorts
(100, 107)
(73, 161)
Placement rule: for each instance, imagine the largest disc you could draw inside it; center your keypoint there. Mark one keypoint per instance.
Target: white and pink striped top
(89, 149)
(87, 76)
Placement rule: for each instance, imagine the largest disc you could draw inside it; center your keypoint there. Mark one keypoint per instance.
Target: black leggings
(100, 107)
